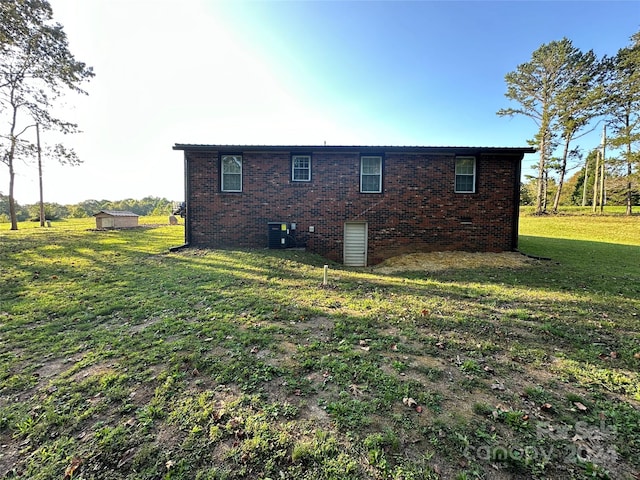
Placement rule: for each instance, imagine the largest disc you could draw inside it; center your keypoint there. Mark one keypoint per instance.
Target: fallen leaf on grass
(409, 402)
(546, 407)
(580, 406)
(611, 355)
(355, 390)
(73, 466)
(499, 410)
(127, 457)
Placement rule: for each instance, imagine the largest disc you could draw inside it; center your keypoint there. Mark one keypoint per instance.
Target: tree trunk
(629, 189)
(563, 171)
(596, 173)
(12, 179)
(10, 158)
(12, 203)
(603, 197)
(540, 189)
(586, 180)
(42, 219)
(545, 191)
(629, 171)
(541, 203)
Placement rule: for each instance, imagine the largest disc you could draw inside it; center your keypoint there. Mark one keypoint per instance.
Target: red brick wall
(417, 211)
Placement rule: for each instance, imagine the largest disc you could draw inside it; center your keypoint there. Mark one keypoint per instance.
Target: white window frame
(224, 174)
(472, 175)
(300, 169)
(363, 174)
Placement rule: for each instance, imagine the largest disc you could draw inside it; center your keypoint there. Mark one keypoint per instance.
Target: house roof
(117, 213)
(451, 150)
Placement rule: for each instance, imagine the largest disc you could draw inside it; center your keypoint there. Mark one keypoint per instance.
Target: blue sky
(239, 72)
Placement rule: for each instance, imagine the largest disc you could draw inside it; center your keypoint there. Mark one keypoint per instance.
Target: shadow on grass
(252, 320)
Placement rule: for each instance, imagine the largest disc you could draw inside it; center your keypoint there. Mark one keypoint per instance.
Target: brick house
(353, 204)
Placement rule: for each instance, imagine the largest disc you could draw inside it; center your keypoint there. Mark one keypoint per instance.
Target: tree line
(578, 189)
(87, 208)
(568, 93)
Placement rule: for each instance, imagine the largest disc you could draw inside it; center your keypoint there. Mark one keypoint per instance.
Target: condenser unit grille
(278, 234)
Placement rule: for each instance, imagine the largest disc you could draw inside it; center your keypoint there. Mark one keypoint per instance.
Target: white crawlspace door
(355, 244)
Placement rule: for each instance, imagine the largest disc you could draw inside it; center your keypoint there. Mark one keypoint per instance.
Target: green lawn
(120, 360)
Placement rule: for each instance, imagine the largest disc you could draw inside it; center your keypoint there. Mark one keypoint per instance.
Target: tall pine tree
(552, 81)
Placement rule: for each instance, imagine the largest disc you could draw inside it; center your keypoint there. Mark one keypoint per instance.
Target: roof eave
(351, 148)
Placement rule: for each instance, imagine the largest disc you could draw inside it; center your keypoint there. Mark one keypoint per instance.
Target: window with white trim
(231, 173)
(370, 174)
(301, 168)
(465, 175)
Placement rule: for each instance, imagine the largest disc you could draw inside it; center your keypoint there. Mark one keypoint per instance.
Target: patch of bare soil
(9, 455)
(98, 369)
(315, 329)
(147, 323)
(438, 261)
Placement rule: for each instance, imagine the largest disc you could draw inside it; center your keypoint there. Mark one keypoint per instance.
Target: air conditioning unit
(279, 235)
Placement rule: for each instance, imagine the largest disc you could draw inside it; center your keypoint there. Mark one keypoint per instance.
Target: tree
(617, 189)
(21, 212)
(583, 181)
(623, 104)
(90, 207)
(36, 68)
(542, 87)
(527, 195)
(529, 190)
(577, 104)
(4, 208)
(52, 211)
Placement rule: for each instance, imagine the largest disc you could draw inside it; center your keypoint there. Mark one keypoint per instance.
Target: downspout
(187, 196)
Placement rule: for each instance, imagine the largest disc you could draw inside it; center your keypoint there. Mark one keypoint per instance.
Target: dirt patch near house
(438, 261)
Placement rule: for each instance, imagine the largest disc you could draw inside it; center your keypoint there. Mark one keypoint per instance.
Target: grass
(119, 359)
